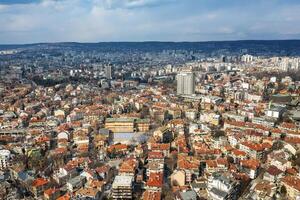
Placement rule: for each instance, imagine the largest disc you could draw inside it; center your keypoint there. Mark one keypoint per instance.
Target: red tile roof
(155, 180)
(39, 182)
(292, 181)
(151, 195)
(50, 191)
(251, 163)
(64, 197)
(274, 171)
(155, 155)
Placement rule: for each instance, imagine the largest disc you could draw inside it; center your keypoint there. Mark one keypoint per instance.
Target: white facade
(5, 155)
(185, 83)
(108, 72)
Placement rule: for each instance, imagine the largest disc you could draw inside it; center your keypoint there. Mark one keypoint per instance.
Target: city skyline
(37, 21)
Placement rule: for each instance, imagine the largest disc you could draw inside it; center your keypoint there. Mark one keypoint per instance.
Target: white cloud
(116, 20)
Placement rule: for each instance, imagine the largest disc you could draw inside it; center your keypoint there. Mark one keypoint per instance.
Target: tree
(283, 190)
(167, 193)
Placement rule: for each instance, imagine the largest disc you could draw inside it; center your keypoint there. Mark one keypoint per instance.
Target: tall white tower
(185, 83)
(108, 72)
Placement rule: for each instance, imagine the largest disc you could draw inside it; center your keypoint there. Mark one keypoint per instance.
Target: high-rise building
(122, 187)
(185, 83)
(108, 72)
(4, 158)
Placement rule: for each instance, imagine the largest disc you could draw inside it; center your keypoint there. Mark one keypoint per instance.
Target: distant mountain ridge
(256, 47)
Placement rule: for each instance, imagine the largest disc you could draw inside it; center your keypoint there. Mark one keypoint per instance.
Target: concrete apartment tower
(108, 71)
(185, 83)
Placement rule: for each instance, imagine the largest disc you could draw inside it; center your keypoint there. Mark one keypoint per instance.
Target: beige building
(178, 178)
(292, 185)
(127, 125)
(143, 125)
(120, 125)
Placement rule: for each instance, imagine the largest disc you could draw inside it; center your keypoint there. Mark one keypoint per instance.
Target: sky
(33, 21)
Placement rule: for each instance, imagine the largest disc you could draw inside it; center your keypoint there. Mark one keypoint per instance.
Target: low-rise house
(273, 174)
(65, 173)
(222, 186)
(105, 172)
(186, 195)
(155, 156)
(250, 167)
(218, 165)
(254, 150)
(190, 165)
(178, 178)
(51, 194)
(128, 167)
(264, 190)
(151, 195)
(281, 163)
(38, 186)
(154, 167)
(155, 182)
(292, 185)
(238, 155)
(160, 147)
(88, 193)
(76, 183)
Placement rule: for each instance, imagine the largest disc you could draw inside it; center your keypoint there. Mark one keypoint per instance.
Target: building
(143, 125)
(38, 186)
(120, 125)
(122, 187)
(178, 178)
(223, 187)
(292, 185)
(185, 83)
(108, 72)
(247, 58)
(186, 195)
(4, 158)
(76, 183)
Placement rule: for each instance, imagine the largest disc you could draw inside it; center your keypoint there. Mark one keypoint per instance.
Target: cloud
(141, 20)
(130, 4)
(10, 2)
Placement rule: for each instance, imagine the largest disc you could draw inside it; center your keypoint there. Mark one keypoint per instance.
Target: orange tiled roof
(251, 163)
(64, 197)
(292, 181)
(238, 152)
(155, 155)
(273, 170)
(155, 180)
(39, 182)
(117, 147)
(253, 146)
(292, 171)
(151, 195)
(102, 169)
(159, 146)
(50, 191)
(128, 166)
(187, 162)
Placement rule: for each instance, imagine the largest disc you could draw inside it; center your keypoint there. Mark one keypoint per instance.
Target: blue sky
(31, 21)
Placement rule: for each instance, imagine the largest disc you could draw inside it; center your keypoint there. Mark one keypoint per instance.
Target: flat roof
(120, 120)
(122, 181)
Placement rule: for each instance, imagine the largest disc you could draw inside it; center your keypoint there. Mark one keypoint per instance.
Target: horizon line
(146, 41)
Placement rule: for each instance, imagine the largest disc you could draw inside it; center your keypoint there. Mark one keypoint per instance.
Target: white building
(185, 83)
(108, 72)
(122, 187)
(247, 58)
(5, 156)
(222, 187)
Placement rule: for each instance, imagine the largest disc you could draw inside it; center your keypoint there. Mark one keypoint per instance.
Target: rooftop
(122, 181)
